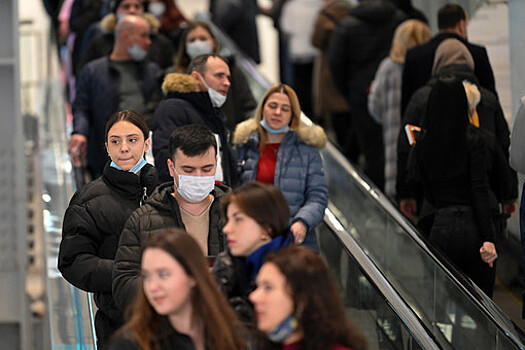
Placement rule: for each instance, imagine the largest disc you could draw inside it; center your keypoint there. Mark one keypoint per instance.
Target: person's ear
(147, 143)
(171, 166)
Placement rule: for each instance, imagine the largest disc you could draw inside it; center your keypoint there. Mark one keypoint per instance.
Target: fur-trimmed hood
(109, 23)
(178, 82)
(311, 135)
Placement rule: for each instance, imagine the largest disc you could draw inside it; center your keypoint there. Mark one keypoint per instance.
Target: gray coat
(298, 173)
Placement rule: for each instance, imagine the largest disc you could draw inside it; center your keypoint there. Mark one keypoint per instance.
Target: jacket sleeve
(126, 270)
(323, 29)
(502, 135)
(377, 99)
(81, 104)
(77, 257)
(479, 188)
(407, 82)
(168, 117)
(413, 115)
(316, 194)
(483, 71)
(517, 141)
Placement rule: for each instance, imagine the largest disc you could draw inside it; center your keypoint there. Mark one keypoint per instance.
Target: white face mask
(156, 8)
(197, 48)
(194, 189)
(217, 100)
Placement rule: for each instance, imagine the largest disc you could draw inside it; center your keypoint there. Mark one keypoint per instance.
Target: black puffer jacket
(161, 211)
(491, 118)
(360, 42)
(92, 226)
(185, 104)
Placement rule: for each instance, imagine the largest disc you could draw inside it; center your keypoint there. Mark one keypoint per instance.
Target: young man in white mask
(191, 200)
(195, 99)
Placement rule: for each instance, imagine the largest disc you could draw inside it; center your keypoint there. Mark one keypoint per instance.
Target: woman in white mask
(298, 307)
(97, 212)
(199, 40)
(275, 148)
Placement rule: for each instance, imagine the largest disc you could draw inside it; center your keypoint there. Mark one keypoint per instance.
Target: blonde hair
(408, 34)
(295, 121)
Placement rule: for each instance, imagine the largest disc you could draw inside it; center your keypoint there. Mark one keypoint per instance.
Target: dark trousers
(345, 135)
(455, 232)
(302, 84)
(370, 140)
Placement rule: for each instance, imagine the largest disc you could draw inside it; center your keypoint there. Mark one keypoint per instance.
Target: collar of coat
(313, 135)
(109, 23)
(178, 82)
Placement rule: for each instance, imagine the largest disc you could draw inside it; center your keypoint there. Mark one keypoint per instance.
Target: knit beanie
(452, 52)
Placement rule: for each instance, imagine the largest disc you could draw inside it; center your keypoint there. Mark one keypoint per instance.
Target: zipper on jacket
(144, 196)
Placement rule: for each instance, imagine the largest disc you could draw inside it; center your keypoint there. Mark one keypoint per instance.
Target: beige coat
(327, 98)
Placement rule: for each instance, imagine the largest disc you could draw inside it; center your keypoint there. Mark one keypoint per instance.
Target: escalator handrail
(422, 335)
(481, 300)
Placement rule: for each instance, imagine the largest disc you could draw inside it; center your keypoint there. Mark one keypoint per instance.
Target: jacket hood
(109, 22)
(373, 10)
(311, 135)
(178, 82)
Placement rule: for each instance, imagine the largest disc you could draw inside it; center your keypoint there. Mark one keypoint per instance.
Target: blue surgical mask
(137, 53)
(271, 130)
(283, 330)
(136, 168)
(120, 17)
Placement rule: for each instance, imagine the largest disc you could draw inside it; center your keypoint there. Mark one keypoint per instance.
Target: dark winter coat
(420, 59)
(491, 118)
(161, 211)
(185, 104)
(360, 42)
(235, 276)
(97, 98)
(161, 50)
(91, 230)
(298, 173)
(168, 338)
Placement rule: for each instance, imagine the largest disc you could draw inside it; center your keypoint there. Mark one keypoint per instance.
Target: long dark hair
(220, 323)
(444, 147)
(322, 320)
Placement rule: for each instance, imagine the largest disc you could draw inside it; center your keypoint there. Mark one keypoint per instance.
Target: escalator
(394, 286)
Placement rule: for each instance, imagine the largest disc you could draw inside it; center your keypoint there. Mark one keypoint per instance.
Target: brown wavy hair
(295, 122)
(322, 320)
(222, 328)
